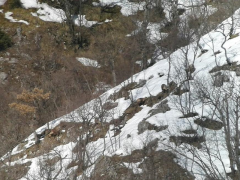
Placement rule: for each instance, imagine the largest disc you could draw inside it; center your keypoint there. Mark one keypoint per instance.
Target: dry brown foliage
(23, 109)
(28, 101)
(36, 94)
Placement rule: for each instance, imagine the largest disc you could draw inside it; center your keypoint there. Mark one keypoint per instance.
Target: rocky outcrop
(161, 108)
(208, 123)
(144, 125)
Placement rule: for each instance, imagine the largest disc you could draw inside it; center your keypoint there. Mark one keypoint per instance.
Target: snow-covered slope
(147, 96)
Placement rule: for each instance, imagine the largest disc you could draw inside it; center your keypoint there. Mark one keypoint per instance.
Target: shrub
(12, 4)
(5, 41)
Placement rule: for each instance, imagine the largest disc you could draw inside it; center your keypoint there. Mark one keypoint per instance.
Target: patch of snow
(2, 2)
(88, 62)
(154, 35)
(84, 21)
(8, 15)
(48, 13)
(108, 20)
(130, 8)
(29, 3)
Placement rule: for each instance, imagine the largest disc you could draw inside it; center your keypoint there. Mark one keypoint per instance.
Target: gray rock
(3, 77)
(26, 56)
(237, 72)
(19, 34)
(13, 61)
(161, 108)
(219, 79)
(143, 126)
(141, 83)
(2, 59)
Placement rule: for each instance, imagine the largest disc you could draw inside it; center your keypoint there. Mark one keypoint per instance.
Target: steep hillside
(54, 46)
(178, 119)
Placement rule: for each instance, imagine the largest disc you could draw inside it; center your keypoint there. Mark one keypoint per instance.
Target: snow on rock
(29, 3)
(8, 15)
(88, 62)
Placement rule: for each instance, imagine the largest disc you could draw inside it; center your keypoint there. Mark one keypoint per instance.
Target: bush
(5, 41)
(12, 4)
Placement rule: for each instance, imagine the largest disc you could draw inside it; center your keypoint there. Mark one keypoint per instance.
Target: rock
(195, 140)
(19, 33)
(190, 69)
(152, 146)
(110, 105)
(3, 77)
(2, 59)
(164, 88)
(150, 77)
(144, 125)
(141, 101)
(208, 123)
(219, 79)
(161, 108)
(141, 83)
(26, 56)
(115, 9)
(237, 71)
(160, 74)
(13, 61)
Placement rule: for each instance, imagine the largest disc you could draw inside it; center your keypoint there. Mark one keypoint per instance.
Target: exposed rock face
(152, 165)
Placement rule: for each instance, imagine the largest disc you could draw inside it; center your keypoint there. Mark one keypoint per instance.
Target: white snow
(88, 62)
(8, 15)
(48, 13)
(2, 2)
(29, 3)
